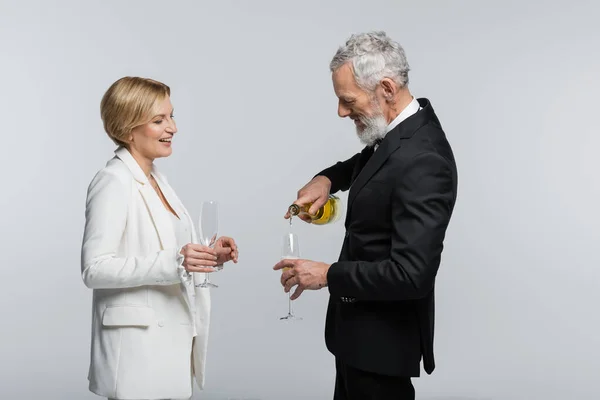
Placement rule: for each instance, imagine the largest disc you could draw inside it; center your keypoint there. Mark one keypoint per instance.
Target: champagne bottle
(328, 213)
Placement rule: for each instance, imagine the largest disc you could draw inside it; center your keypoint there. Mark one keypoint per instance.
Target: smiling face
(152, 140)
(365, 109)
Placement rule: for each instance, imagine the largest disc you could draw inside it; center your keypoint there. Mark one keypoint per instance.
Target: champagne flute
(290, 250)
(208, 227)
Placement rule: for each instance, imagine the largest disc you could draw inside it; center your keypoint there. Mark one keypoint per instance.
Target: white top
(182, 230)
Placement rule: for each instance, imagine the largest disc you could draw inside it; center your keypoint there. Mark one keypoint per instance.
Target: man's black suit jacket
(380, 316)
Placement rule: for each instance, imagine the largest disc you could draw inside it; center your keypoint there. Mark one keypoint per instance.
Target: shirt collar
(409, 110)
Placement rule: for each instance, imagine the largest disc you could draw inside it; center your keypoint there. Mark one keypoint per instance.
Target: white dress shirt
(409, 110)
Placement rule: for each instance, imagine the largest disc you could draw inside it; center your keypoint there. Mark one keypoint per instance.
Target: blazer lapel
(160, 216)
(158, 213)
(365, 155)
(390, 143)
(372, 166)
(188, 279)
(169, 194)
(175, 202)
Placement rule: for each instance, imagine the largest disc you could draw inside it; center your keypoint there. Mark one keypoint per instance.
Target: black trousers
(355, 384)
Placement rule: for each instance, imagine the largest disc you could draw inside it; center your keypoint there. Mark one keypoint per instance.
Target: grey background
(514, 84)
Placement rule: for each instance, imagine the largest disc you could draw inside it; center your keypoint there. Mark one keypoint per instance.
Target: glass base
(290, 317)
(207, 284)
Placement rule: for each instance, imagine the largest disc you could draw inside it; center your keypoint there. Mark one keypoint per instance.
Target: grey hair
(374, 56)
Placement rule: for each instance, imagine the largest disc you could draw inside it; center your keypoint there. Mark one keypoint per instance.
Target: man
(402, 190)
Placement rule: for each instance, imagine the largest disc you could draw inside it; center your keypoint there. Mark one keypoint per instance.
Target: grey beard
(374, 129)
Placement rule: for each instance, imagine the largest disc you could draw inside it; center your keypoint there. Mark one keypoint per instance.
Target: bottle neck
(294, 209)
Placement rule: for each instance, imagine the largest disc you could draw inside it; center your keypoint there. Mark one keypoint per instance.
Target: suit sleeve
(422, 204)
(107, 206)
(340, 174)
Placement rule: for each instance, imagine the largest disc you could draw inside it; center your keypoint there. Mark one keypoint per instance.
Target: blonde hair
(128, 103)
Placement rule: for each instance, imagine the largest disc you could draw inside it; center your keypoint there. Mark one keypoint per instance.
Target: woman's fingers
(200, 269)
(198, 251)
(200, 262)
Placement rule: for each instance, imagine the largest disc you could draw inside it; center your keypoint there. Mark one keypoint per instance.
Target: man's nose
(343, 111)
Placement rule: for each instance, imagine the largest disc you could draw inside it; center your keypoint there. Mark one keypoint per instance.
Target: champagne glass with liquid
(208, 227)
(290, 250)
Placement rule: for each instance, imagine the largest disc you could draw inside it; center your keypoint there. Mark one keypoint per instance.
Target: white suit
(149, 323)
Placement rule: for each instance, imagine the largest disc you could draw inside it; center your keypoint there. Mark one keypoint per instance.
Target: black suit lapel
(365, 155)
(372, 165)
(389, 144)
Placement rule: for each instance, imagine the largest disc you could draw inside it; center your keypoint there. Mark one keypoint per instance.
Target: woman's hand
(226, 249)
(198, 258)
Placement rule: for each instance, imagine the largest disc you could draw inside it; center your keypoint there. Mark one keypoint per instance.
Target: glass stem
(207, 277)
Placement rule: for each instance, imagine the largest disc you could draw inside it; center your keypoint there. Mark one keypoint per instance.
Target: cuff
(184, 275)
(334, 274)
(327, 174)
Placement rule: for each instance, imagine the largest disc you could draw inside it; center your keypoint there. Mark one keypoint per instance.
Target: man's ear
(389, 89)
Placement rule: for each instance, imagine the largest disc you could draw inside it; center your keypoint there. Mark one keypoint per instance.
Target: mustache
(361, 118)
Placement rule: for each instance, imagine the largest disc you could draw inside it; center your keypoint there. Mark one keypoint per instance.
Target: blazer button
(161, 323)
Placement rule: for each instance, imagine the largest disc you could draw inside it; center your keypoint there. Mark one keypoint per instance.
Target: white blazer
(149, 322)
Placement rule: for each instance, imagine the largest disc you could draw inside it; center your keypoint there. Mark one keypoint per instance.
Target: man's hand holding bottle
(312, 197)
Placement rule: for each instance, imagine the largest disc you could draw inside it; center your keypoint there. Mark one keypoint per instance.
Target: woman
(149, 323)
